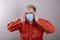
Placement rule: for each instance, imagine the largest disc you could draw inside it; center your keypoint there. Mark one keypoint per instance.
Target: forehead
(30, 10)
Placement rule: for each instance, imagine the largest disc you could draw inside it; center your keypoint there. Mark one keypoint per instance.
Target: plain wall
(11, 10)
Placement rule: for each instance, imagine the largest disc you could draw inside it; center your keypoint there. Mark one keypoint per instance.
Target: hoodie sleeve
(15, 25)
(46, 26)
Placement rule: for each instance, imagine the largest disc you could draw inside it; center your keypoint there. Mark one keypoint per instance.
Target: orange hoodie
(32, 31)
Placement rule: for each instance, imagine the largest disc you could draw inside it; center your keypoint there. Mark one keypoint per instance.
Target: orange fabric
(32, 31)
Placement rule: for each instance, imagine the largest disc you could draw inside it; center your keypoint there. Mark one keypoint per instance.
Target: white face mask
(29, 17)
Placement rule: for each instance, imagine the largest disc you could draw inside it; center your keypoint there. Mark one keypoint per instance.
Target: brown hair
(31, 6)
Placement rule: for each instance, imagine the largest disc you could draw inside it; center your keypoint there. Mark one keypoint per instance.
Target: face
(29, 12)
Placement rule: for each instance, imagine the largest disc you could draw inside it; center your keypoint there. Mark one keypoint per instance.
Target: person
(30, 26)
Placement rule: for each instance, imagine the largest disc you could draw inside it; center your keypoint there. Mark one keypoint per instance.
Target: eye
(31, 13)
(26, 13)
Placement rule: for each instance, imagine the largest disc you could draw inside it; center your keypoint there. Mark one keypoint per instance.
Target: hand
(36, 17)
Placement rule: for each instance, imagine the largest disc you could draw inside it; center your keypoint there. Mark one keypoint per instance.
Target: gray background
(13, 9)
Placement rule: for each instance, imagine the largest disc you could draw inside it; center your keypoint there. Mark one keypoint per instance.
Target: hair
(31, 6)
